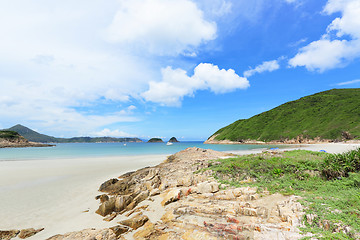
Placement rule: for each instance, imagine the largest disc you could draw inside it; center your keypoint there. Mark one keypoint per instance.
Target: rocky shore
(20, 143)
(298, 140)
(179, 200)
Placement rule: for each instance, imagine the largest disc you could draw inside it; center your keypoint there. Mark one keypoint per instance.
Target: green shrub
(339, 165)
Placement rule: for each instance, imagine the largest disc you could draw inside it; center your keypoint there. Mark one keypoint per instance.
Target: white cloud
(163, 27)
(267, 66)
(55, 58)
(349, 82)
(176, 84)
(333, 51)
(112, 133)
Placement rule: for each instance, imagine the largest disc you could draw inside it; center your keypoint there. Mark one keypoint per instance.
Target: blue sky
(163, 68)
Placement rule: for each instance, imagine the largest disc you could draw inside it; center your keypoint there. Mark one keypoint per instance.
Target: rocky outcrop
(29, 232)
(103, 234)
(20, 143)
(171, 201)
(8, 234)
(24, 233)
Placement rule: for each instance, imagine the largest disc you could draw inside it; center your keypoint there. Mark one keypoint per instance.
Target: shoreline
(54, 194)
(59, 194)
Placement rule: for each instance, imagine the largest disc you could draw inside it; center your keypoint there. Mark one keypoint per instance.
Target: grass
(5, 134)
(329, 184)
(333, 114)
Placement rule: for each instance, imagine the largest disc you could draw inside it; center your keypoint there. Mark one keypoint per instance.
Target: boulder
(146, 232)
(208, 187)
(8, 234)
(138, 199)
(102, 198)
(107, 184)
(154, 192)
(110, 217)
(118, 230)
(106, 207)
(25, 233)
(172, 196)
(135, 222)
(121, 202)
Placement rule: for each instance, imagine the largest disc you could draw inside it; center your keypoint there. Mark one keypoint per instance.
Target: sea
(83, 150)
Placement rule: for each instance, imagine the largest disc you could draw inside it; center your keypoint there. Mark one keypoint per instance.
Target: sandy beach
(59, 195)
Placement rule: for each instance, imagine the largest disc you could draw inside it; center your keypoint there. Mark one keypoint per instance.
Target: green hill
(33, 136)
(332, 115)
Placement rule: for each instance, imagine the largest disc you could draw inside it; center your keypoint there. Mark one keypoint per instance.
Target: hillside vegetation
(333, 115)
(328, 184)
(9, 135)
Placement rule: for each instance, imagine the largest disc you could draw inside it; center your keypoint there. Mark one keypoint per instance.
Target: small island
(155, 140)
(173, 140)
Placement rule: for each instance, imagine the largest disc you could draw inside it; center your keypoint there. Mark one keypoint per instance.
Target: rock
(118, 230)
(106, 207)
(145, 233)
(138, 199)
(172, 196)
(138, 209)
(225, 195)
(25, 233)
(135, 222)
(88, 234)
(111, 217)
(168, 216)
(164, 185)
(154, 192)
(121, 202)
(107, 184)
(7, 235)
(262, 212)
(152, 173)
(102, 198)
(185, 181)
(310, 218)
(206, 187)
(198, 235)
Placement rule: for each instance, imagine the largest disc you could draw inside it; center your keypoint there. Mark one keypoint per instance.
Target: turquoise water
(77, 150)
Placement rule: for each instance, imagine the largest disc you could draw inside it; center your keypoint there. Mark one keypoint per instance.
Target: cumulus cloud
(176, 84)
(267, 66)
(112, 133)
(165, 27)
(339, 45)
(66, 61)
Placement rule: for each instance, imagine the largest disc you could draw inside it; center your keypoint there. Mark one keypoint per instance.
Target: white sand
(55, 193)
(329, 147)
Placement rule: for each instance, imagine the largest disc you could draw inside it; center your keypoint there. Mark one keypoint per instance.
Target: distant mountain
(332, 115)
(33, 136)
